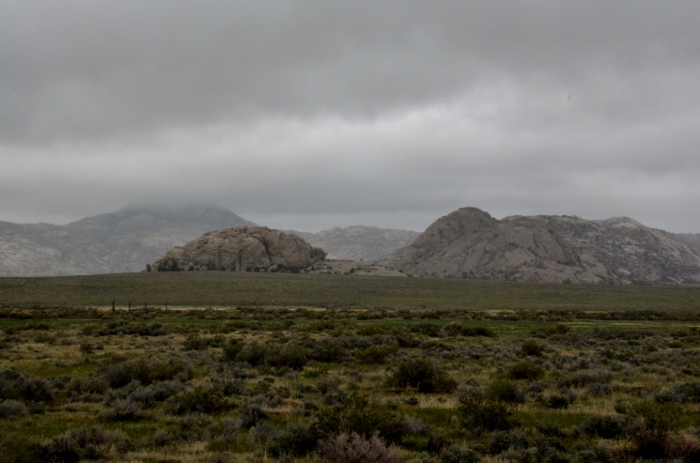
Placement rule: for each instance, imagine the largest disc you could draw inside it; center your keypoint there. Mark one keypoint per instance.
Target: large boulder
(242, 249)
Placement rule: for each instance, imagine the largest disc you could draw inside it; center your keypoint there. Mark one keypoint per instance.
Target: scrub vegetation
(594, 374)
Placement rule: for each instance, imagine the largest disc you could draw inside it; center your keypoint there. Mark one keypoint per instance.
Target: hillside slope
(469, 243)
(360, 243)
(123, 241)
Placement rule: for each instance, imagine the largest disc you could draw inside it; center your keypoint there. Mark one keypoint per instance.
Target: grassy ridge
(222, 289)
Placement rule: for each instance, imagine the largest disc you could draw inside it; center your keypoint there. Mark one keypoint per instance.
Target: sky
(307, 115)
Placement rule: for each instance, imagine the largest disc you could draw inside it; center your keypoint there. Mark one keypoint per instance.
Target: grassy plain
(285, 367)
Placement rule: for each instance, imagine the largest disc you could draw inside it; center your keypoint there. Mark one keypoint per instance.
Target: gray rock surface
(469, 243)
(124, 241)
(692, 239)
(360, 242)
(242, 248)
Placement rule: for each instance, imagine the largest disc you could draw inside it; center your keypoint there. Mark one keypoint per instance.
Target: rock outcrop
(469, 243)
(242, 248)
(122, 241)
(360, 242)
(353, 267)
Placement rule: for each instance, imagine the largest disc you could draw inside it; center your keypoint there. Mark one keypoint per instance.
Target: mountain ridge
(122, 241)
(469, 243)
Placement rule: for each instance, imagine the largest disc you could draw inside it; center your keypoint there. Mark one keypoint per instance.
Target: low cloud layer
(311, 114)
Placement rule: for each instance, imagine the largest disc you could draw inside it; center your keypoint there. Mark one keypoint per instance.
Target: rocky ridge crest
(469, 243)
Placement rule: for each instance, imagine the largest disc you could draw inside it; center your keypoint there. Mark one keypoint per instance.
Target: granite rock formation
(242, 248)
(123, 241)
(469, 243)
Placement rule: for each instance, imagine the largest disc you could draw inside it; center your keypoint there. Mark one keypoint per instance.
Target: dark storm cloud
(310, 114)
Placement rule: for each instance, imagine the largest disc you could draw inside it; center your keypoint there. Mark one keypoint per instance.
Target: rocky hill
(692, 239)
(360, 243)
(469, 243)
(240, 249)
(124, 241)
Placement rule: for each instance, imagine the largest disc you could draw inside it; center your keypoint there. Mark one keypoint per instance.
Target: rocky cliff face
(361, 243)
(124, 241)
(469, 243)
(240, 249)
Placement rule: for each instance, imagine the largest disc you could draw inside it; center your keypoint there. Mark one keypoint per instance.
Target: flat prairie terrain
(330, 368)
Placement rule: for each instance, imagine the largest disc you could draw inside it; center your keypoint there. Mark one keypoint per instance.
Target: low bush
(156, 392)
(525, 370)
(122, 410)
(12, 407)
(355, 415)
(375, 354)
(605, 427)
(426, 329)
(328, 351)
(232, 348)
(505, 390)
(685, 393)
(19, 386)
(145, 371)
(456, 454)
(354, 448)
(85, 443)
(557, 401)
(532, 349)
(480, 413)
(458, 329)
(422, 374)
(583, 378)
(204, 398)
(500, 441)
(298, 440)
(289, 355)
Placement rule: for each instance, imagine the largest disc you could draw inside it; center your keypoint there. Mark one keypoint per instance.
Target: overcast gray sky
(314, 114)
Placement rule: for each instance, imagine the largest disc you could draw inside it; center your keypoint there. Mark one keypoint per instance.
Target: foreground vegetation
(595, 374)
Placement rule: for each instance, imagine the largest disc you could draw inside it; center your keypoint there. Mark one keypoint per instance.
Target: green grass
(225, 289)
(644, 340)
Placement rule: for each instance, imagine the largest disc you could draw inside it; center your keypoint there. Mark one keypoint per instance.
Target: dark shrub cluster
(583, 378)
(532, 349)
(12, 407)
(422, 374)
(684, 393)
(458, 329)
(356, 415)
(480, 413)
(375, 354)
(145, 371)
(85, 443)
(526, 370)
(20, 386)
(290, 355)
(203, 398)
(354, 448)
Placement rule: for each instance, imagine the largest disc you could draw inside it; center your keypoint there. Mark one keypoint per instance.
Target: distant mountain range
(467, 243)
(360, 242)
(127, 240)
(123, 241)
